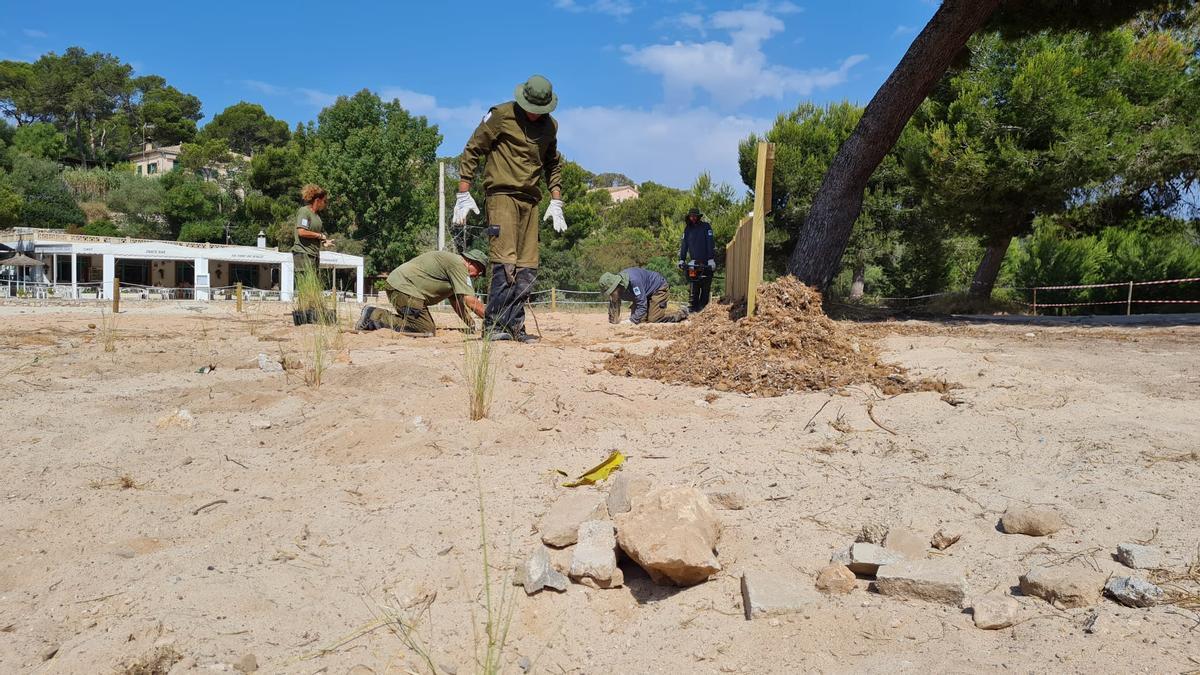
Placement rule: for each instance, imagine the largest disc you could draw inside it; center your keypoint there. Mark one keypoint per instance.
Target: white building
(79, 265)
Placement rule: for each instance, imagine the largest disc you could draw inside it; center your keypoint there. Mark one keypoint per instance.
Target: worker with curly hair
(310, 235)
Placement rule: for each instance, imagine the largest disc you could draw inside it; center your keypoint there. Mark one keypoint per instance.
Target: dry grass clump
(1182, 587)
(479, 371)
(108, 331)
(122, 482)
(789, 345)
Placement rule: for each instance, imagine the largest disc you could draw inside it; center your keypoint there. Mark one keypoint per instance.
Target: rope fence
(1129, 301)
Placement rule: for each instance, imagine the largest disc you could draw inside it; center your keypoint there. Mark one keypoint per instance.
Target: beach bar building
(81, 266)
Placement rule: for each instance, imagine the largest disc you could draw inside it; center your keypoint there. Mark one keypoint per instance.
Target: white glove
(464, 204)
(554, 212)
(712, 264)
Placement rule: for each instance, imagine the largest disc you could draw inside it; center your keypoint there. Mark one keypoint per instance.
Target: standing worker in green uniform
(520, 141)
(310, 237)
(424, 281)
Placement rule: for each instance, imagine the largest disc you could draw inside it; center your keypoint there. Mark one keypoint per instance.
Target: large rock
(993, 612)
(1035, 522)
(672, 533)
(769, 594)
(1063, 587)
(624, 490)
(595, 556)
(865, 559)
(923, 580)
(537, 573)
(906, 542)
(1139, 557)
(560, 526)
(836, 580)
(1133, 592)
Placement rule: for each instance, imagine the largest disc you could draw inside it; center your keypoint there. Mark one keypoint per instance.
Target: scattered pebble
(993, 612)
(1133, 592)
(1033, 521)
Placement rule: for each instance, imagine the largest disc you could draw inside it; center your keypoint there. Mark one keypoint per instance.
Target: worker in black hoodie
(697, 258)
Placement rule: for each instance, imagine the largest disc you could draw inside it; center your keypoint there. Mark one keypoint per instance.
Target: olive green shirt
(305, 217)
(519, 153)
(432, 277)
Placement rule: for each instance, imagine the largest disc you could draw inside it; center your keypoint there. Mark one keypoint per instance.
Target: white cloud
(737, 71)
(34, 33)
(617, 8)
(903, 30)
(312, 97)
(424, 104)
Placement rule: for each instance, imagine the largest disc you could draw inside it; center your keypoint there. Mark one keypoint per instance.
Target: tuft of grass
(479, 370)
(310, 292)
(108, 331)
(317, 350)
(841, 423)
(498, 609)
(121, 482)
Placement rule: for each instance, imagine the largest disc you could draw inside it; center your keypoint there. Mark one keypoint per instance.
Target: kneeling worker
(424, 281)
(648, 292)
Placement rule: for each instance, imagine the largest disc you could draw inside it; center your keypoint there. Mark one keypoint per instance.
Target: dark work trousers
(505, 309)
(701, 288)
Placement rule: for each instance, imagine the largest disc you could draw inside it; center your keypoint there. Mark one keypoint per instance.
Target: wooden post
(239, 297)
(758, 233)
(553, 299)
(1129, 300)
(116, 295)
(1035, 302)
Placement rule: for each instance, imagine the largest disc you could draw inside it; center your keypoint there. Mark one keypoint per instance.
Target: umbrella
(21, 260)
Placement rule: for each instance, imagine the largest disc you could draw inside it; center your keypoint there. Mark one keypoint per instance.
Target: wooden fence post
(553, 299)
(1129, 300)
(116, 295)
(239, 297)
(1035, 301)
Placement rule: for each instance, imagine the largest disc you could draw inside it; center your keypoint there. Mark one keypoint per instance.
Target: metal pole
(1129, 300)
(441, 206)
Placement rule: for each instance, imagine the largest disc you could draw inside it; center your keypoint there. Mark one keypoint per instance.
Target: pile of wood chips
(789, 345)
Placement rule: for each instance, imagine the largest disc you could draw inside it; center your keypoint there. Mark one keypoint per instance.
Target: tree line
(1068, 129)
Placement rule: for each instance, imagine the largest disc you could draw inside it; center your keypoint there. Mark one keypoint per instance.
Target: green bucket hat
(609, 282)
(477, 256)
(537, 95)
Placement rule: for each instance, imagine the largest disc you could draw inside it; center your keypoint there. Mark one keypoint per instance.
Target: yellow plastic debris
(599, 472)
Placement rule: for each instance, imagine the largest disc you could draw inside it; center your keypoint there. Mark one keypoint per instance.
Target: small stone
(595, 555)
(182, 418)
(246, 664)
(560, 526)
(993, 612)
(835, 580)
(448, 669)
(537, 573)
(923, 580)
(872, 533)
(49, 652)
(766, 594)
(624, 490)
(1095, 623)
(866, 559)
(268, 364)
(672, 534)
(524, 664)
(906, 542)
(1035, 522)
(1063, 587)
(260, 424)
(1133, 592)
(729, 501)
(943, 540)
(1139, 557)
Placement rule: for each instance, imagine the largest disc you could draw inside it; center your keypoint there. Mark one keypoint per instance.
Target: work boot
(526, 338)
(499, 336)
(364, 319)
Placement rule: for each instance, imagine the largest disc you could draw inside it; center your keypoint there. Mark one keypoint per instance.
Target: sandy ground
(366, 491)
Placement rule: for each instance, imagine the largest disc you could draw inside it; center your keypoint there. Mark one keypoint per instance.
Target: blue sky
(656, 90)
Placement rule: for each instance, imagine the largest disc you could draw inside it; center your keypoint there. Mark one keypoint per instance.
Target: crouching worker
(647, 292)
(425, 281)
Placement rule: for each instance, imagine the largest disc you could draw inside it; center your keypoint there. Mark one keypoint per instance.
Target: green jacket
(432, 277)
(519, 153)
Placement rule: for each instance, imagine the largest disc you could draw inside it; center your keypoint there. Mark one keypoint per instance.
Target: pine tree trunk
(836, 206)
(860, 281)
(989, 267)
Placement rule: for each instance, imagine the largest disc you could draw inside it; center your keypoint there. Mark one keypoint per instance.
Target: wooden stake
(553, 299)
(116, 295)
(1129, 300)
(239, 297)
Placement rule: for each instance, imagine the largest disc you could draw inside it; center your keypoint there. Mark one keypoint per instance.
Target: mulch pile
(789, 345)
